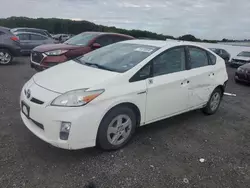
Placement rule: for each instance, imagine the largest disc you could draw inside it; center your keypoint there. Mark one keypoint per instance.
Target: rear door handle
(211, 74)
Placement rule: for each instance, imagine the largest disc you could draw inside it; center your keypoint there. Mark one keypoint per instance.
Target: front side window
(118, 57)
(171, 61)
(37, 37)
(81, 39)
(198, 57)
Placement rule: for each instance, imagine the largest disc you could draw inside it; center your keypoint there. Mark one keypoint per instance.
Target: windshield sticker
(147, 50)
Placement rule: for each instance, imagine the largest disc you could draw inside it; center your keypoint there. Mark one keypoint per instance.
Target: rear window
(118, 57)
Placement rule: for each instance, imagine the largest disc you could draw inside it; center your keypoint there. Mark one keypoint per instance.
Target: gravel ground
(163, 154)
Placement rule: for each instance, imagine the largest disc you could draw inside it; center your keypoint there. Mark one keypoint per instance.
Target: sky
(206, 19)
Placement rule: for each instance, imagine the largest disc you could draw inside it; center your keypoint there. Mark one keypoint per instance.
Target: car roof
(24, 32)
(108, 33)
(17, 28)
(4, 28)
(161, 43)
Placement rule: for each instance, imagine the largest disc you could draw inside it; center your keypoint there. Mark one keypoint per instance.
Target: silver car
(29, 40)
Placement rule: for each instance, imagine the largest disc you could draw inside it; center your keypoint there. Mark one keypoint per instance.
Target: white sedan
(101, 97)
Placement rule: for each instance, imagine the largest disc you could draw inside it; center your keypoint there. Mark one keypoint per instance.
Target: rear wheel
(214, 102)
(116, 128)
(5, 57)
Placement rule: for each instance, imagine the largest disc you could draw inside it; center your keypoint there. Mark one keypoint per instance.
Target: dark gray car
(29, 41)
(9, 46)
(31, 30)
(222, 53)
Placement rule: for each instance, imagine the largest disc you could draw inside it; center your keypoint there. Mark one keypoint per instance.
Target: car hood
(246, 66)
(241, 58)
(70, 76)
(50, 47)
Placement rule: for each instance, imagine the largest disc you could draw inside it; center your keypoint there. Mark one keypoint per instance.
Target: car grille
(240, 61)
(37, 57)
(38, 124)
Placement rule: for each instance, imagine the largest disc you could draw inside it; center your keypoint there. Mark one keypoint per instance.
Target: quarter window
(198, 57)
(212, 58)
(171, 61)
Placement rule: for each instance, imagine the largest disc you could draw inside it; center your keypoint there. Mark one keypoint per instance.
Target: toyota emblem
(28, 93)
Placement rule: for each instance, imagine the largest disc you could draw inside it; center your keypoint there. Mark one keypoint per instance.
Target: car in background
(102, 97)
(222, 53)
(62, 37)
(242, 74)
(28, 41)
(9, 46)
(241, 59)
(45, 56)
(31, 30)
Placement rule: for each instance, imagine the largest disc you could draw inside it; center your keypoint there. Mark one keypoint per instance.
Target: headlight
(56, 52)
(240, 69)
(76, 98)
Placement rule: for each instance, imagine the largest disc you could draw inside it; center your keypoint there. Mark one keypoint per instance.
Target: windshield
(81, 39)
(244, 54)
(118, 57)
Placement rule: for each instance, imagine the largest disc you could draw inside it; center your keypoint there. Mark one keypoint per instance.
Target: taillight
(14, 38)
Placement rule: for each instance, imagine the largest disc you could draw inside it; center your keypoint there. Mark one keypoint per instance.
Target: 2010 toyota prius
(101, 97)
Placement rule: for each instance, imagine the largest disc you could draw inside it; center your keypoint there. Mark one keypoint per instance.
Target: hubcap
(5, 57)
(119, 129)
(215, 101)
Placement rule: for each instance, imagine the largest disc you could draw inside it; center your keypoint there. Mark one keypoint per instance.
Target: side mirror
(96, 46)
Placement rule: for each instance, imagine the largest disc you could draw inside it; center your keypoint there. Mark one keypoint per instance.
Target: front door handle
(211, 74)
(185, 82)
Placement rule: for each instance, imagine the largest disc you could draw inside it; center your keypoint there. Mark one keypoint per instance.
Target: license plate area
(25, 109)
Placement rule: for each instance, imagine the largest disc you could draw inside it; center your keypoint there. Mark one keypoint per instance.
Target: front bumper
(242, 77)
(234, 63)
(43, 61)
(84, 120)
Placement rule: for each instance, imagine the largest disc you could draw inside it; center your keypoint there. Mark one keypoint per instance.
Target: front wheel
(5, 57)
(214, 102)
(116, 128)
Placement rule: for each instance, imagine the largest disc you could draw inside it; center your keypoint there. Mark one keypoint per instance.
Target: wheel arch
(130, 105)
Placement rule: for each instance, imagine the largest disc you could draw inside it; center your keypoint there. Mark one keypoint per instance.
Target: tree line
(55, 25)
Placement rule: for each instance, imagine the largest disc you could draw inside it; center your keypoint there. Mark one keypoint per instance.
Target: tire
(109, 130)
(5, 57)
(211, 107)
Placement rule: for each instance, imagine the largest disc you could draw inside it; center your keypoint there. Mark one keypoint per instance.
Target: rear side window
(212, 58)
(171, 61)
(23, 36)
(37, 37)
(198, 57)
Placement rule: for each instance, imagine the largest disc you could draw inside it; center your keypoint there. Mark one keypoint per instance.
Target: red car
(48, 55)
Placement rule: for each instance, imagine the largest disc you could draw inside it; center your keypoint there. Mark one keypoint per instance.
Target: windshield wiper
(98, 66)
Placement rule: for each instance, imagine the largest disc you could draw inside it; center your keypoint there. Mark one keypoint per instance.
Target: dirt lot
(163, 154)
